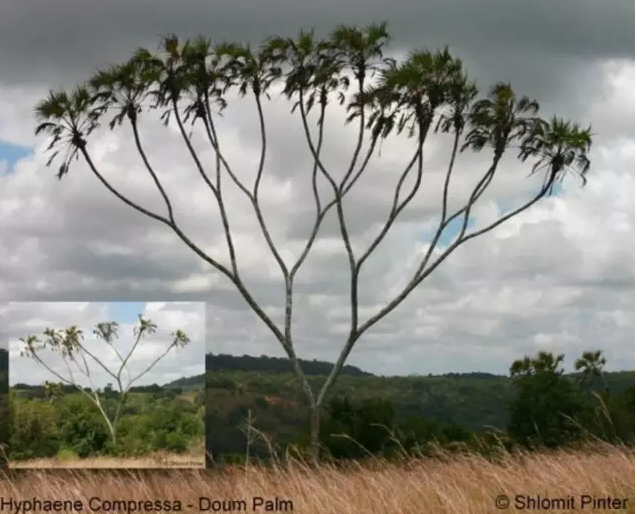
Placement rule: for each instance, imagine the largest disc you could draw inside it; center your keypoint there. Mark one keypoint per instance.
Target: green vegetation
(68, 424)
(538, 405)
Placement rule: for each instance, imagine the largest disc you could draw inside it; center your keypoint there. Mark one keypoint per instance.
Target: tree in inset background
(69, 344)
(425, 94)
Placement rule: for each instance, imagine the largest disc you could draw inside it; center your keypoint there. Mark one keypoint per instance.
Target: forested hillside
(264, 363)
(465, 403)
(262, 393)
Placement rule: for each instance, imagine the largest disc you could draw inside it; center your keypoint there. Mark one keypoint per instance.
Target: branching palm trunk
(315, 431)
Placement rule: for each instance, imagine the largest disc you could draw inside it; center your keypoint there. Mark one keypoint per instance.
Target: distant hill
(262, 386)
(266, 364)
(194, 383)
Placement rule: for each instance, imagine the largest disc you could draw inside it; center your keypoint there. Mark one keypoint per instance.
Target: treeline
(547, 411)
(40, 390)
(193, 382)
(68, 424)
(541, 417)
(542, 406)
(267, 364)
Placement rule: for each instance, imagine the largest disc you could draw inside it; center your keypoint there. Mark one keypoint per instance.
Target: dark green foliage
(36, 431)
(194, 382)
(611, 416)
(550, 409)
(369, 428)
(545, 410)
(38, 391)
(351, 431)
(276, 365)
(415, 432)
(82, 428)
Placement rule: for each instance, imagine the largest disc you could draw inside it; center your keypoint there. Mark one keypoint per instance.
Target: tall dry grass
(466, 484)
(156, 460)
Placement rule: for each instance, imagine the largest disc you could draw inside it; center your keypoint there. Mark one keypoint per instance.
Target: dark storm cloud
(66, 39)
(83, 259)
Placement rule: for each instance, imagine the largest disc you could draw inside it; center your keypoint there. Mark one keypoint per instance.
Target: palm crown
(560, 146)
(427, 87)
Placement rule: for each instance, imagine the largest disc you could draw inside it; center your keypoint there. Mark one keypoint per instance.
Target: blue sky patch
(558, 190)
(125, 313)
(453, 229)
(13, 153)
(450, 232)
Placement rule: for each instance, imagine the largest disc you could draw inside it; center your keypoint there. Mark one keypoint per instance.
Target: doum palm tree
(428, 92)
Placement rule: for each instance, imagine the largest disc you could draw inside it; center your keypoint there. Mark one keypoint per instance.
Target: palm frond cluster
(192, 80)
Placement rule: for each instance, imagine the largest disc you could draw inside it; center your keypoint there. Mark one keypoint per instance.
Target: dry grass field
(459, 485)
(158, 460)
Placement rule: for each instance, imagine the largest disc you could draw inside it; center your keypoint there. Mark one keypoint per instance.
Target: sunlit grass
(157, 460)
(467, 484)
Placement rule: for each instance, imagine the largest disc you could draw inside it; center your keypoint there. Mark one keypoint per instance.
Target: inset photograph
(104, 385)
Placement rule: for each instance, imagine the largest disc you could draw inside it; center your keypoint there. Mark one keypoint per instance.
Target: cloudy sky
(21, 319)
(560, 277)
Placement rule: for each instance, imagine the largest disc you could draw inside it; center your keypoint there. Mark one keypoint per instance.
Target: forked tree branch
(397, 205)
(338, 199)
(414, 282)
(255, 193)
(189, 243)
(453, 246)
(286, 339)
(217, 195)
